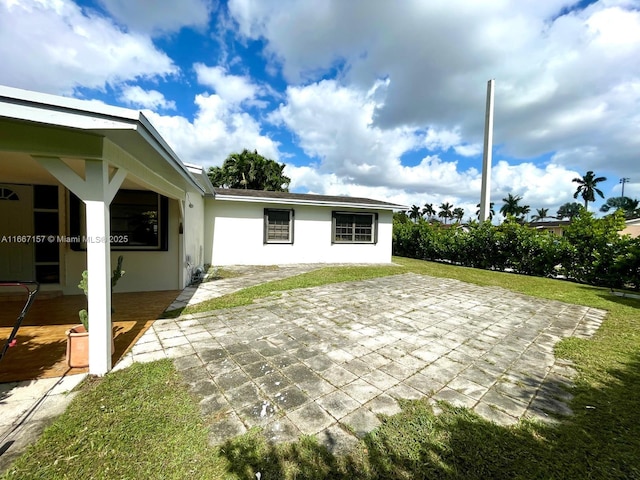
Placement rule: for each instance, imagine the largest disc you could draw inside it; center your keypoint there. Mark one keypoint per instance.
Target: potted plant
(78, 335)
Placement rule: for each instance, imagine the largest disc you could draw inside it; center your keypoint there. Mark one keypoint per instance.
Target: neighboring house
(75, 173)
(556, 226)
(632, 228)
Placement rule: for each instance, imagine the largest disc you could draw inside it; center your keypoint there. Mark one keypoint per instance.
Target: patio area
(41, 343)
(328, 360)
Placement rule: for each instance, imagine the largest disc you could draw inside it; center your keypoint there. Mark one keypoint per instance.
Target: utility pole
(623, 181)
(485, 194)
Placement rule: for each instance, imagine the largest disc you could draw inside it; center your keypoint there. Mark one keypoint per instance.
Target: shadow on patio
(41, 343)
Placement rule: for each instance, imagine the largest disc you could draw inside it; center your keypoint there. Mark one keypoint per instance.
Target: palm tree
(523, 211)
(587, 187)
(568, 210)
(445, 211)
(492, 212)
(541, 214)
(511, 206)
(414, 213)
(628, 206)
(458, 213)
(428, 210)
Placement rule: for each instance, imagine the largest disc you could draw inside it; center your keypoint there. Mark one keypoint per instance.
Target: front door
(16, 233)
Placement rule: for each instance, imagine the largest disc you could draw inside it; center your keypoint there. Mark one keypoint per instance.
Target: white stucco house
(82, 183)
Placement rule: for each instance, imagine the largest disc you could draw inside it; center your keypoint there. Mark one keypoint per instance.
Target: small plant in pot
(78, 336)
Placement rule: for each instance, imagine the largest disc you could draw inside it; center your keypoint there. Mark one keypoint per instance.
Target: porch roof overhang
(37, 124)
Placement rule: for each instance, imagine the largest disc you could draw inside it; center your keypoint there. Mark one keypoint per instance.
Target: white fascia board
(63, 111)
(292, 201)
(153, 138)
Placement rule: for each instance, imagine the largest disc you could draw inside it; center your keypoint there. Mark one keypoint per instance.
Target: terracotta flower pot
(78, 346)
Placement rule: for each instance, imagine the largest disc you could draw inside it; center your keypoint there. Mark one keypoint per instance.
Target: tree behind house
(446, 211)
(630, 207)
(569, 210)
(250, 170)
(541, 215)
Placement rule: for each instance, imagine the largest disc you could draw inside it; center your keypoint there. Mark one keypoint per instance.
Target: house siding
(234, 235)
(144, 270)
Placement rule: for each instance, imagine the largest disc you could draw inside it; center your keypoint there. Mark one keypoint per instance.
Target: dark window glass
(134, 218)
(45, 196)
(139, 220)
(48, 273)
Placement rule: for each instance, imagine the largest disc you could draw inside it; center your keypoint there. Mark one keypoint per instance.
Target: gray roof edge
(235, 194)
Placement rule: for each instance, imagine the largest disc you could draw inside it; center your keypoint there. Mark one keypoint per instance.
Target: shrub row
(591, 250)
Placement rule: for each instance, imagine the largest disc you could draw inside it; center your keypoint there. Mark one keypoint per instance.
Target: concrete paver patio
(316, 360)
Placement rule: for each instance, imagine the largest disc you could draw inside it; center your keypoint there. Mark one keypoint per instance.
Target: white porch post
(96, 190)
(98, 265)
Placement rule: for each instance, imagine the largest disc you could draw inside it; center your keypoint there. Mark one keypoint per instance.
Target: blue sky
(366, 97)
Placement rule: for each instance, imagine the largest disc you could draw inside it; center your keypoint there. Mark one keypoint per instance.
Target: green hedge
(591, 250)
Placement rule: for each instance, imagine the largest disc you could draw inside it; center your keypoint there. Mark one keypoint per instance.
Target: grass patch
(137, 423)
(323, 276)
(142, 423)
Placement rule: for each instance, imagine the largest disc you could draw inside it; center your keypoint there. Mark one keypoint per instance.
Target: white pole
(485, 195)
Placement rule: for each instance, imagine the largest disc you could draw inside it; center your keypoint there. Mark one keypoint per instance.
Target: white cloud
(140, 98)
(541, 187)
(160, 15)
(334, 124)
(234, 89)
(52, 46)
(216, 131)
(565, 79)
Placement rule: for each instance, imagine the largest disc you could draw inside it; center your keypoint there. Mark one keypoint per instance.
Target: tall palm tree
(511, 205)
(428, 210)
(458, 213)
(414, 213)
(587, 187)
(541, 214)
(445, 211)
(492, 212)
(523, 211)
(628, 206)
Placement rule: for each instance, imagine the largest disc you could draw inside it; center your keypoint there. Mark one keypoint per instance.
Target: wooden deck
(41, 342)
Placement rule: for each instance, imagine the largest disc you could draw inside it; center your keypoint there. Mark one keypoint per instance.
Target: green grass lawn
(142, 422)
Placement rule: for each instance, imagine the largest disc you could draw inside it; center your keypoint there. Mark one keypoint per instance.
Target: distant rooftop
(304, 198)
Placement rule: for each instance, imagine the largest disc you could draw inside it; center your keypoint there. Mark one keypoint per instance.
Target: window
(278, 226)
(8, 194)
(139, 220)
(354, 227)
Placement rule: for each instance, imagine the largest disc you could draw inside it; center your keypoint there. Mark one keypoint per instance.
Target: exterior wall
(632, 230)
(192, 236)
(144, 270)
(555, 230)
(234, 236)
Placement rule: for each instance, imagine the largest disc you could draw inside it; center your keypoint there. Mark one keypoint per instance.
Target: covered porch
(82, 183)
(41, 343)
